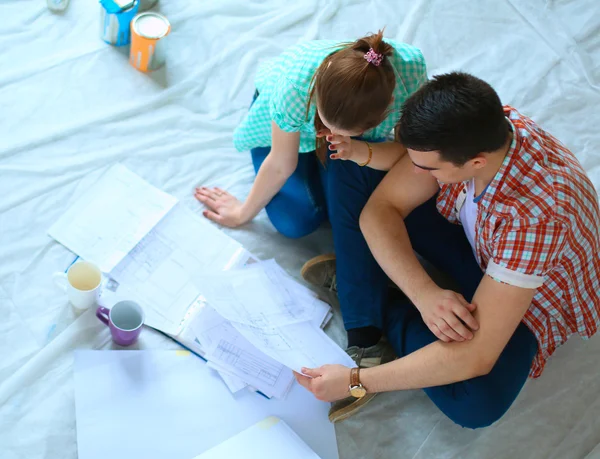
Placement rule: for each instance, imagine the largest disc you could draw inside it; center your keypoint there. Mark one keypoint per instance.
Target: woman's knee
(293, 222)
(294, 229)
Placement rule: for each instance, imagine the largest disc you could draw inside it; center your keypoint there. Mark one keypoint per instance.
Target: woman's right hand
(341, 146)
(223, 207)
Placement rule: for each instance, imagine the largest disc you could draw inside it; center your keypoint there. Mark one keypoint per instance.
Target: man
(526, 259)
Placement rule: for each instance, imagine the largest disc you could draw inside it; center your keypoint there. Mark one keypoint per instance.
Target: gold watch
(357, 390)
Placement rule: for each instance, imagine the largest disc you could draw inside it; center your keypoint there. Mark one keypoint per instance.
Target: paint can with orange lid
(148, 33)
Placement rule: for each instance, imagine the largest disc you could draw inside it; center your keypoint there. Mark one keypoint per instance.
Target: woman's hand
(223, 208)
(341, 146)
(345, 148)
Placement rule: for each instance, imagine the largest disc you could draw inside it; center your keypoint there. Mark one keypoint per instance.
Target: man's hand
(327, 383)
(500, 309)
(448, 315)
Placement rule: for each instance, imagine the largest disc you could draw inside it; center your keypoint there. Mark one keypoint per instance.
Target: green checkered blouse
(284, 87)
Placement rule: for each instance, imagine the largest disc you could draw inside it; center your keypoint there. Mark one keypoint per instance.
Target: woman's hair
(351, 91)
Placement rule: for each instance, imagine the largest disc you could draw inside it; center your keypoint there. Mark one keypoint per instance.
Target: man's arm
(500, 308)
(382, 223)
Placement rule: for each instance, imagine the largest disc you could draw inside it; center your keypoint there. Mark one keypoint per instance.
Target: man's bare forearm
(501, 308)
(385, 232)
(437, 364)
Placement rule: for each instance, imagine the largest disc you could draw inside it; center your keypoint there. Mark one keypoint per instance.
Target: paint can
(115, 20)
(148, 33)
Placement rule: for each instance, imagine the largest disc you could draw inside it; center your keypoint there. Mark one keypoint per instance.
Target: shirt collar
(508, 162)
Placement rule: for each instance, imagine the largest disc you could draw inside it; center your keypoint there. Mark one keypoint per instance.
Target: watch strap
(355, 377)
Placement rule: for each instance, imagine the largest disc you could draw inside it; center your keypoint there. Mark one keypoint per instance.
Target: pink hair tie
(374, 58)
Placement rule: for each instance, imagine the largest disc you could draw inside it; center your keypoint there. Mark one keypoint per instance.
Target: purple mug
(125, 321)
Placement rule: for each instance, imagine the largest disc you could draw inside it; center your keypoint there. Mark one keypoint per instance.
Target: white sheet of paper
(203, 323)
(271, 265)
(321, 311)
(111, 217)
(234, 354)
(157, 272)
(157, 404)
(270, 438)
(229, 351)
(298, 345)
(233, 383)
(255, 296)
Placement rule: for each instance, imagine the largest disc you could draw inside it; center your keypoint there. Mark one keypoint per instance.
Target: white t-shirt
(468, 215)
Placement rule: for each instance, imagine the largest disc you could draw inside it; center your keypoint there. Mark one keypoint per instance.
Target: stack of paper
(283, 308)
(249, 319)
(261, 324)
(157, 272)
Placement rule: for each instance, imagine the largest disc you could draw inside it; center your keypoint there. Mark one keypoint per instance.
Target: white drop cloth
(71, 107)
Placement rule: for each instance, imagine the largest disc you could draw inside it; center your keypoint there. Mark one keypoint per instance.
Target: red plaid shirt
(538, 226)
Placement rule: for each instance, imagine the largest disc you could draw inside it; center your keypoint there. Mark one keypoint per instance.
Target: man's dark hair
(457, 114)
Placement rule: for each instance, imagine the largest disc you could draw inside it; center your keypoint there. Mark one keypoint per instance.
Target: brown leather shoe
(320, 272)
(365, 358)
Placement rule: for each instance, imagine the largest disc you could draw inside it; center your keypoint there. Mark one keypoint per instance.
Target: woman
(315, 93)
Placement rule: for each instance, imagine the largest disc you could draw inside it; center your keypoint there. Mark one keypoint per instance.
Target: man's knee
(484, 417)
(472, 407)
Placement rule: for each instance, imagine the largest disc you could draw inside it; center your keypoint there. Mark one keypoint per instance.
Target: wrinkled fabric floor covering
(72, 106)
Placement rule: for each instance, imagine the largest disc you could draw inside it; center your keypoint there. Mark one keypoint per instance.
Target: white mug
(81, 283)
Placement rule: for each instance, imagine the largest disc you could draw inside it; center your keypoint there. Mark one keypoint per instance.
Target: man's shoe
(320, 272)
(365, 358)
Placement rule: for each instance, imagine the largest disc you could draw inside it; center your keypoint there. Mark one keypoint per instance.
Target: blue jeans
(366, 300)
(299, 207)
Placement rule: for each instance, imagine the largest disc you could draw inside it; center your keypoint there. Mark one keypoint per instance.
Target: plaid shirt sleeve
(288, 106)
(446, 201)
(524, 252)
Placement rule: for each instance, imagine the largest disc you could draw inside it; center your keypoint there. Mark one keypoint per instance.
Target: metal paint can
(145, 5)
(115, 20)
(148, 32)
